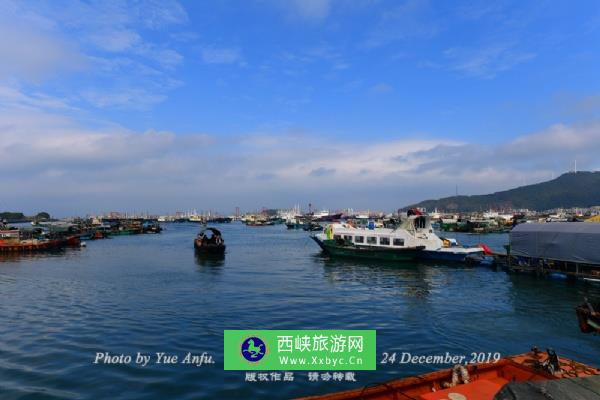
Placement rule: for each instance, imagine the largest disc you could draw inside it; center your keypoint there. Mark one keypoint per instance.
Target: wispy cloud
(13, 98)
(380, 88)
(487, 61)
(311, 9)
(137, 99)
(221, 55)
(304, 10)
(111, 40)
(411, 19)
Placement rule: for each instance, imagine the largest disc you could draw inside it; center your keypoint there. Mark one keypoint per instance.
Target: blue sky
(162, 106)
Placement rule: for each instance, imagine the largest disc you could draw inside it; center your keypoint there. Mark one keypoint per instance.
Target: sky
(161, 106)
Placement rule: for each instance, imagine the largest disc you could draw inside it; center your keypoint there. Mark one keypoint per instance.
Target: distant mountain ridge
(573, 189)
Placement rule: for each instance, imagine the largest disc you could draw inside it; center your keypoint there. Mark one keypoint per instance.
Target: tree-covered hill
(580, 189)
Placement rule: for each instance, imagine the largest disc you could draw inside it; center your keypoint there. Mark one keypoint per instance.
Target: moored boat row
(58, 234)
(16, 240)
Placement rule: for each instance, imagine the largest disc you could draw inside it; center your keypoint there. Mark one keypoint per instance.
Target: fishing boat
(259, 222)
(312, 227)
(412, 233)
(588, 316)
(102, 232)
(325, 216)
(295, 222)
(294, 225)
(151, 226)
(197, 218)
(523, 374)
(16, 240)
(209, 244)
(87, 235)
(219, 220)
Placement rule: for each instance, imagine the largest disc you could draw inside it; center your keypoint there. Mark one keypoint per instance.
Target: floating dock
(568, 249)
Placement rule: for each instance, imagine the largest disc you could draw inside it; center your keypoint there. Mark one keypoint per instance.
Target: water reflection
(153, 293)
(36, 255)
(209, 260)
(408, 279)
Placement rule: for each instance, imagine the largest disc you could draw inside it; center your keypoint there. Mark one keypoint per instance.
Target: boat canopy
(415, 222)
(568, 389)
(214, 231)
(575, 242)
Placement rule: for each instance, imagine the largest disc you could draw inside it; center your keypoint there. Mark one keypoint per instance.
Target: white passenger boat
(414, 232)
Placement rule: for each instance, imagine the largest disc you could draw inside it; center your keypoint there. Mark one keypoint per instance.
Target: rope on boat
(460, 374)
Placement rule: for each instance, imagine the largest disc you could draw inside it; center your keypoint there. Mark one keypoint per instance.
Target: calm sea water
(151, 294)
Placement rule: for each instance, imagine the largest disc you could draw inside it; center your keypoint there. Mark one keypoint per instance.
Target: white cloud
(54, 161)
(33, 54)
(557, 138)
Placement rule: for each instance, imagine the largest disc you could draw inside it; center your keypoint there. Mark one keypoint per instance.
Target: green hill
(580, 189)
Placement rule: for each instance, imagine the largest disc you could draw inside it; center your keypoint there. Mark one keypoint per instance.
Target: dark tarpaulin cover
(577, 242)
(561, 389)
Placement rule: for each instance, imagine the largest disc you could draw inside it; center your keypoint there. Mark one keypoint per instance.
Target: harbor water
(150, 293)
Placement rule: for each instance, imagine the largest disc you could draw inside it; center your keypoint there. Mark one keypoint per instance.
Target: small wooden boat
(473, 381)
(213, 244)
(588, 316)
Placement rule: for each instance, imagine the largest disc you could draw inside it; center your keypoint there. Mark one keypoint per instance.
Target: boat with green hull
(124, 232)
(343, 248)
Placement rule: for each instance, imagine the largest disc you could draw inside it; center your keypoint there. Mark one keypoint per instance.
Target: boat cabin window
(420, 222)
(384, 241)
(337, 237)
(371, 240)
(359, 239)
(348, 238)
(398, 242)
